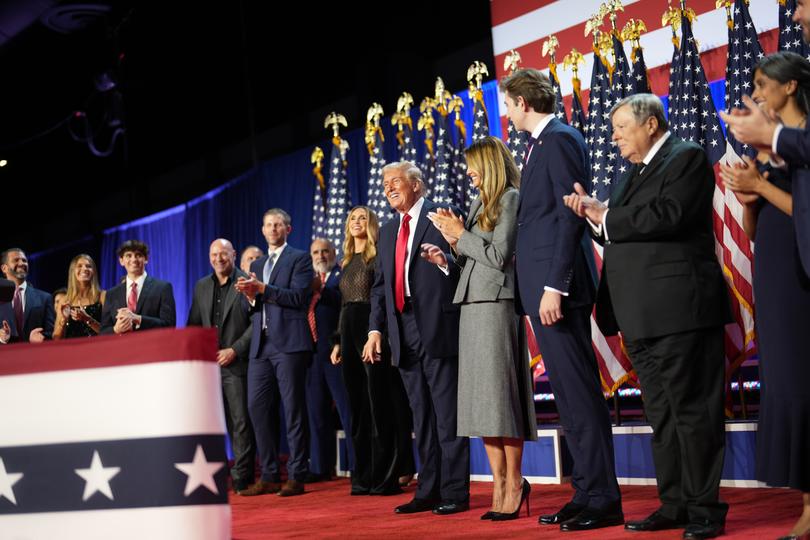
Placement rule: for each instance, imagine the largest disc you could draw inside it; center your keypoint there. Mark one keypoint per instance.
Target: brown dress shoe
(260, 488)
(291, 487)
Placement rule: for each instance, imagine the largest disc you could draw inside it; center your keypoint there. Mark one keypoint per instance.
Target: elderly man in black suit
(30, 315)
(217, 304)
(663, 288)
(413, 298)
(140, 302)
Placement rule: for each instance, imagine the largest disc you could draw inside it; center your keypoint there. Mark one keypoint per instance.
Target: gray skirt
(495, 394)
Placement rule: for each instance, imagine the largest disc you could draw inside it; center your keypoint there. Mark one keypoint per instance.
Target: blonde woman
(495, 398)
(78, 313)
(380, 429)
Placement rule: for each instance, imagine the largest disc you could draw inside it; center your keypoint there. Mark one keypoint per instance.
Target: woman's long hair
(73, 284)
(491, 159)
(784, 67)
(372, 231)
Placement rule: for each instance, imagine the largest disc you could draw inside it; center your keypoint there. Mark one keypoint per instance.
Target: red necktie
(313, 329)
(132, 303)
(399, 262)
(18, 311)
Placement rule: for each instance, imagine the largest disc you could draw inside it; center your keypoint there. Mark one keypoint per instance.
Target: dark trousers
(240, 431)
(681, 378)
(324, 384)
(273, 375)
(375, 423)
(574, 376)
(432, 388)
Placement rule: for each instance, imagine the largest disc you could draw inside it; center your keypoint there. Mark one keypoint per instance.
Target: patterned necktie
(399, 262)
(132, 302)
(268, 269)
(18, 311)
(313, 328)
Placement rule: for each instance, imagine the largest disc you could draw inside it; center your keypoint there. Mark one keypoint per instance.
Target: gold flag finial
(404, 103)
(373, 116)
(672, 18)
(317, 159)
(729, 17)
(550, 46)
(572, 61)
(512, 61)
(476, 73)
(613, 7)
(334, 120)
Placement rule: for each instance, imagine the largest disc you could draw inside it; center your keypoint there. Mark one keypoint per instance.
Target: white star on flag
(200, 472)
(7, 481)
(97, 478)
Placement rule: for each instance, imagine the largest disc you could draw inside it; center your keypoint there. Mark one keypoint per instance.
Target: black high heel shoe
(524, 496)
(489, 515)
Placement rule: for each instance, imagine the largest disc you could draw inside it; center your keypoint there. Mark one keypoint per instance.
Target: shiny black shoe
(524, 496)
(655, 522)
(697, 530)
(590, 519)
(445, 509)
(415, 506)
(570, 510)
(489, 514)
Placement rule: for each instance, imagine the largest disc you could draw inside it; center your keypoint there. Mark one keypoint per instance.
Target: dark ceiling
(204, 90)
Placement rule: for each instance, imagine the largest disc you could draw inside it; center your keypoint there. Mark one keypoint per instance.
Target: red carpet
(327, 511)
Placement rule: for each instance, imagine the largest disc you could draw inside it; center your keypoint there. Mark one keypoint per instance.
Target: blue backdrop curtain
(178, 238)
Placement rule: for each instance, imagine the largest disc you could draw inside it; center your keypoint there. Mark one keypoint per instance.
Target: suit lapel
(421, 227)
(147, 286)
(647, 171)
(282, 259)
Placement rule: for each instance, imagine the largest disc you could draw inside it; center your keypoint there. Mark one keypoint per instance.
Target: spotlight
(3, 162)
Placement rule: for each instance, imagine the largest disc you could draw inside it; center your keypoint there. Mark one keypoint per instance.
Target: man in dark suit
(141, 302)
(29, 316)
(414, 298)
(216, 304)
(555, 289)
(663, 288)
(280, 353)
(325, 381)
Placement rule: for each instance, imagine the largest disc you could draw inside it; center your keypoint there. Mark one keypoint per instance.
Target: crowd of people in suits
(416, 330)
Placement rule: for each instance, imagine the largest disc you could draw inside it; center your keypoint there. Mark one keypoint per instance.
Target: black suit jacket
(548, 252)
(38, 313)
(327, 314)
(794, 146)
(660, 274)
(155, 305)
(431, 290)
(235, 330)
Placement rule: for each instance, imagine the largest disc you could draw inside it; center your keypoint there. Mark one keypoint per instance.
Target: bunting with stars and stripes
(337, 201)
(694, 118)
(96, 455)
(790, 33)
(744, 51)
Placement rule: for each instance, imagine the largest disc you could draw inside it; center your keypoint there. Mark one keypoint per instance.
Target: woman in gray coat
(495, 398)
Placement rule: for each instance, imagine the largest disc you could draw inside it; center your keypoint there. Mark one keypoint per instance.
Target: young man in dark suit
(30, 315)
(141, 302)
(663, 288)
(325, 381)
(280, 353)
(556, 291)
(413, 299)
(217, 304)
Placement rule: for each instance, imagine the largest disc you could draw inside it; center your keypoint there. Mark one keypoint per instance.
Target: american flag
(599, 130)
(407, 150)
(559, 109)
(621, 86)
(614, 367)
(744, 51)
(428, 164)
(464, 187)
(376, 193)
(694, 118)
(639, 78)
(319, 202)
(337, 202)
(444, 185)
(578, 119)
(480, 119)
(790, 33)
(516, 142)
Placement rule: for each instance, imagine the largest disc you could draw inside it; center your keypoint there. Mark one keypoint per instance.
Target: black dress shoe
(703, 529)
(447, 508)
(415, 506)
(565, 513)
(590, 518)
(655, 522)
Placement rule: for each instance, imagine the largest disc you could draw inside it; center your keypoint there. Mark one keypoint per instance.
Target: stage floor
(327, 511)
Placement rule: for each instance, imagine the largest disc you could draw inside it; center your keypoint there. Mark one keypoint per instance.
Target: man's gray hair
(643, 106)
(412, 173)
